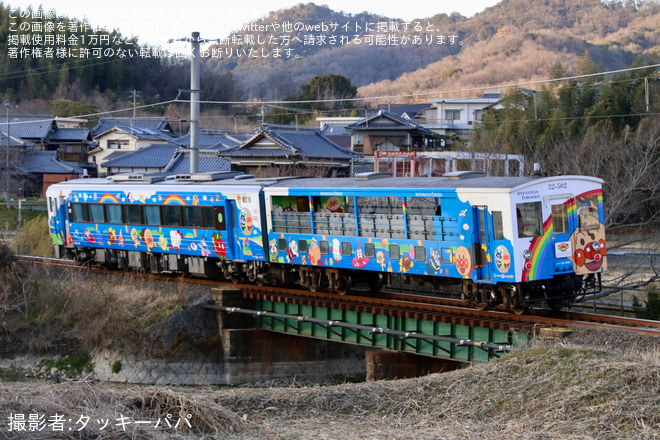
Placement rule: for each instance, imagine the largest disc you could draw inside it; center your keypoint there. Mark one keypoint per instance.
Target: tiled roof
(30, 127)
(375, 121)
(141, 127)
(14, 141)
(208, 163)
(407, 111)
(151, 156)
(70, 135)
(45, 162)
(304, 142)
(211, 140)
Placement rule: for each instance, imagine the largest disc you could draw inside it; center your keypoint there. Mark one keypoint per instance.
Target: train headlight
(527, 254)
(595, 246)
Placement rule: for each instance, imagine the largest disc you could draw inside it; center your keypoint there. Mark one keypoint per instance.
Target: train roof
(467, 180)
(470, 181)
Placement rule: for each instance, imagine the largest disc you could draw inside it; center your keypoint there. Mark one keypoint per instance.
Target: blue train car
(152, 223)
(504, 240)
(510, 241)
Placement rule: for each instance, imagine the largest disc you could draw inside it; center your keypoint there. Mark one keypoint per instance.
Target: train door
(562, 225)
(232, 228)
(223, 244)
(482, 245)
(57, 212)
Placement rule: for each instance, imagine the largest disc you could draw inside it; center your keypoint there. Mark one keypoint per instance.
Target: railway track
(402, 305)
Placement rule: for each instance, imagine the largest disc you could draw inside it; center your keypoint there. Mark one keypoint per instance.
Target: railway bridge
(258, 327)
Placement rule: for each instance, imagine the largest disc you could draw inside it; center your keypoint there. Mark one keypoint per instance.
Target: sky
(155, 22)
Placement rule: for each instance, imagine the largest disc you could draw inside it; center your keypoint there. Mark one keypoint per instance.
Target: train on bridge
(510, 241)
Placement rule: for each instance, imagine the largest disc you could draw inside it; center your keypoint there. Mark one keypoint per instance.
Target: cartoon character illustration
(219, 246)
(195, 200)
(204, 247)
(120, 239)
(148, 238)
(314, 253)
(134, 237)
(405, 263)
(336, 250)
(274, 251)
(112, 236)
(434, 263)
(175, 239)
(590, 250)
(245, 221)
(162, 242)
(380, 259)
(463, 261)
(360, 260)
(502, 259)
(292, 252)
(89, 237)
(334, 205)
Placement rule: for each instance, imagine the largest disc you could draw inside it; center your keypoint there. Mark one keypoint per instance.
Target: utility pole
(8, 134)
(194, 104)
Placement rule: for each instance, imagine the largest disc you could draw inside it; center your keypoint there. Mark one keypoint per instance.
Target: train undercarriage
(560, 292)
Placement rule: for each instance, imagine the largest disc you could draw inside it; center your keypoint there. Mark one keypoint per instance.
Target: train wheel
(343, 284)
(375, 282)
(519, 310)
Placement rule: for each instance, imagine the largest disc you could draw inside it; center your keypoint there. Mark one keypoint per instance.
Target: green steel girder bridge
(426, 334)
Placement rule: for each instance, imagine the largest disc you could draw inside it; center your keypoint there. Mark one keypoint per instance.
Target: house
(37, 170)
(153, 158)
(277, 150)
(117, 136)
(36, 129)
(386, 131)
(455, 118)
(412, 112)
(165, 158)
(211, 139)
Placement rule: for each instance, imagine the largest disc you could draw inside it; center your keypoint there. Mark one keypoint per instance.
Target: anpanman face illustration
(463, 261)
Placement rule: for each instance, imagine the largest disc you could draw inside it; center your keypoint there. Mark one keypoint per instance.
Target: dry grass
(46, 308)
(548, 391)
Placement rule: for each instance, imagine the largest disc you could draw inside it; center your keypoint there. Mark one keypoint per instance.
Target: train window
(395, 252)
(193, 216)
(220, 222)
(420, 253)
(79, 212)
(172, 215)
(423, 206)
(96, 213)
(447, 255)
(132, 214)
(498, 228)
(152, 215)
(587, 208)
(530, 219)
(302, 245)
(346, 249)
(282, 245)
(324, 246)
(290, 204)
(560, 219)
(369, 250)
(113, 213)
(209, 217)
(331, 204)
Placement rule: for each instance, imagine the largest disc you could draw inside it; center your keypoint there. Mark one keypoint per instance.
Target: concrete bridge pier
(253, 355)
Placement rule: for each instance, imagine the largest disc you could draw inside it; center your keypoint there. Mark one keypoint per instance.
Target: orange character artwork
(463, 261)
(590, 250)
